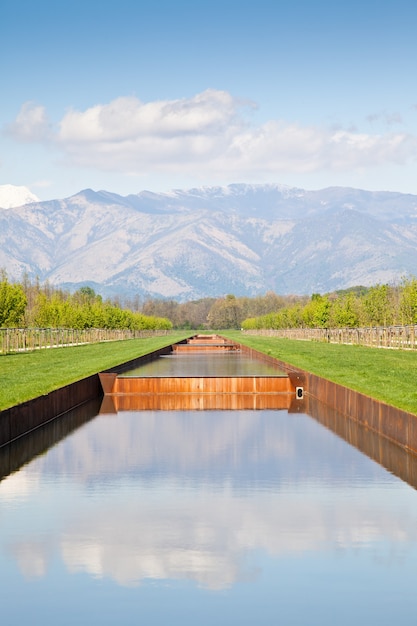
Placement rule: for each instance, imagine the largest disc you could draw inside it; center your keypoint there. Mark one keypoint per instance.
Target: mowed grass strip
(25, 376)
(386, 375)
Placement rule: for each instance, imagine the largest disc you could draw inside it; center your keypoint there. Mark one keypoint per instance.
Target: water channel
(201, 364)
(257, 517)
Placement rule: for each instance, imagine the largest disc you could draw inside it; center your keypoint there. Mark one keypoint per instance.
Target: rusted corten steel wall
(196, 384)
(23, 418)
(394, 424)
(387, 453)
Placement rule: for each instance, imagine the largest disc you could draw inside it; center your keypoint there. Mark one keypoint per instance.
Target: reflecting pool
(205, 364)
(203, 517)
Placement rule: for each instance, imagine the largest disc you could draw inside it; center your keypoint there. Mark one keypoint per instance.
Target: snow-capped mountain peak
(13, 195)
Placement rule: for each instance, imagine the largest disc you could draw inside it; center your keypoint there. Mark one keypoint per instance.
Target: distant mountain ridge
(187, 244)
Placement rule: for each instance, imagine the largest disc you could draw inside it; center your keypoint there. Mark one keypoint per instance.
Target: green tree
(85, 293)
(13, 302)
(225, 313)
(344, 312)
(315, 314)
(408, 301)
(377, 307)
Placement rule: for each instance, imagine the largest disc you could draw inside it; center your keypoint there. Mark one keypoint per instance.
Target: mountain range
(211, 241)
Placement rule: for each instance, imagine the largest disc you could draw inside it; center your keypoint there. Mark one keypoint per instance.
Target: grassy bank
(387, 375)
(24, 376)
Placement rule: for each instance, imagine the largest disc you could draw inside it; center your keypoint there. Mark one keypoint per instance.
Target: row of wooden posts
(28, 339)
(398, 337)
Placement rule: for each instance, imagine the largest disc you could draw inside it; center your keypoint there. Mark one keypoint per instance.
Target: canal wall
(394, 424)
(23, 418)
(23, 449)
(396, 459)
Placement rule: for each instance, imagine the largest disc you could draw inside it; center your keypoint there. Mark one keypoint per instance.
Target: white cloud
(128, 119)
(18, 486)
(208, 537)
(208, 134)
(31, 124)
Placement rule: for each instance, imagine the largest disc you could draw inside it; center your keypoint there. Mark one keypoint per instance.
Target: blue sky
(148, 94)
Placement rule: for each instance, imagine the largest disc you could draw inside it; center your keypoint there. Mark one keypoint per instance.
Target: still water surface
(206, 518)
(203, 364)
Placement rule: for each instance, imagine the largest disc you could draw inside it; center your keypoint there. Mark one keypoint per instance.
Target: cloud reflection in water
(202, 497)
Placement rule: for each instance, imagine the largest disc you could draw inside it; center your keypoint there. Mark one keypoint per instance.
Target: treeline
(381, 305)
(29, 305)
(218, 313)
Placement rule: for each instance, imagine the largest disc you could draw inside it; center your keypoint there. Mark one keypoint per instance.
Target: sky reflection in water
(252, 517)
(203, 364)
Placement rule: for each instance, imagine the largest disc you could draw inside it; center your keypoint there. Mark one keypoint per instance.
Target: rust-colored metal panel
(108, 405)
(395, 425)
(196, 402)
(368, 412)
(264, 384)
(197, 347)
(107, 381)
(212, 384)
(412, 433)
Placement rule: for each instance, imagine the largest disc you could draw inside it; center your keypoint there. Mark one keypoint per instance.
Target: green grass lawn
(24, 376)
(387, 375)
